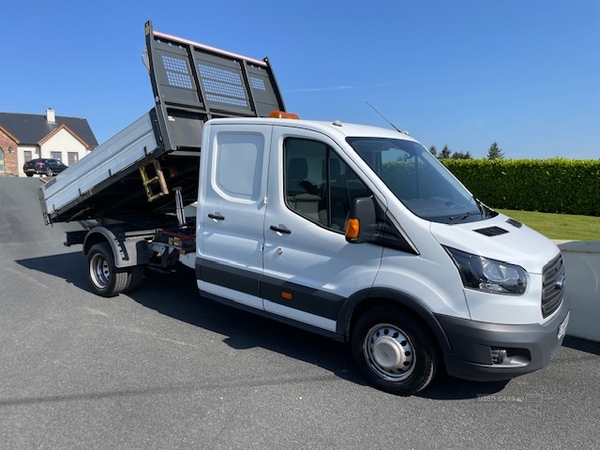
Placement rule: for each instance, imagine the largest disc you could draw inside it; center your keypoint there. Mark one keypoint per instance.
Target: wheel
(49, 172)
(394, 350)
(135, 278)
(107, 280)
(29, 175)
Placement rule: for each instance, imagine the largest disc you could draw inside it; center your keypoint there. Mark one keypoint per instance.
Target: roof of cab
(343, 129)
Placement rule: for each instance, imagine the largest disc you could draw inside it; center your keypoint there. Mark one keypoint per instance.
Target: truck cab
(432, 276)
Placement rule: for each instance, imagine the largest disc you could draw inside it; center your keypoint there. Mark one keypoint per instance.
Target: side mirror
(362, 221)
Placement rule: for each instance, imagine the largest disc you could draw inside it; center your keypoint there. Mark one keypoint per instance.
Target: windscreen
(418, 179)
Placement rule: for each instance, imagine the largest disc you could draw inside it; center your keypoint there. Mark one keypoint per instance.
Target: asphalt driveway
(163, 368)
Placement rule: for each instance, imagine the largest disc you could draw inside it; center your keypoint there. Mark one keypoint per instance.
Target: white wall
(582, 273)
(21, 149)
(62, 142)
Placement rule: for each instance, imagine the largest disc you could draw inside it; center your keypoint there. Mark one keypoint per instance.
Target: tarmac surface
(163, 368)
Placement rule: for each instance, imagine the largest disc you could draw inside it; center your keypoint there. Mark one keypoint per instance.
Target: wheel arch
(362, 301)
(127, 251)
(95, 236)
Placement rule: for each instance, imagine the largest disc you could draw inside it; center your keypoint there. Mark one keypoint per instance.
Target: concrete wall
(582, 273)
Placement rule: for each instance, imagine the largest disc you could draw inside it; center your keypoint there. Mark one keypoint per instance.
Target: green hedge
(555, 185)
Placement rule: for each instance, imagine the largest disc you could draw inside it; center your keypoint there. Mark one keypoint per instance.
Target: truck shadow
(245, 330)
(67, 266)
(176, 295)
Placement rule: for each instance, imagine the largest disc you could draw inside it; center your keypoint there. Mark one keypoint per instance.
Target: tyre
(106, 279)
(29, 175)
(49, 172)
(394, 350)
(135, 278)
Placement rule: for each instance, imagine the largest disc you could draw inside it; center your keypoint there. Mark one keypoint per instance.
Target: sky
(524, 74)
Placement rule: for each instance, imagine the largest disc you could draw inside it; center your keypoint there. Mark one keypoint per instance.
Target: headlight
(488, 275)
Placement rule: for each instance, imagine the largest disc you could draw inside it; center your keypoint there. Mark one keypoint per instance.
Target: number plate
(562, 329)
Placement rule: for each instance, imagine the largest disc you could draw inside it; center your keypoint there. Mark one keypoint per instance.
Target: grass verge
(559, 226)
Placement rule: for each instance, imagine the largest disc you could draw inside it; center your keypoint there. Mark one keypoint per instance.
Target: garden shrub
(556, 185)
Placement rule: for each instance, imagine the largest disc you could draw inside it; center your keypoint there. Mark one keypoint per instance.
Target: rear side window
(237, 165)
(319, 185)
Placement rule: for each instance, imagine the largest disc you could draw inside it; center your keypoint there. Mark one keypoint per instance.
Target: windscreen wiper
(461, 217)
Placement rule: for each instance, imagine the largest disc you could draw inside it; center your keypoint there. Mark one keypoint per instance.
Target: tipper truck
(350, 231)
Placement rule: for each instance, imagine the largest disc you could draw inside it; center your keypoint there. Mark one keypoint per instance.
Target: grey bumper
(492, 352)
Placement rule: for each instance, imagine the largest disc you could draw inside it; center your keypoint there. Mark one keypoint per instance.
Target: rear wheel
(135, 278)
(106, 279)
(394, 350)
(29, 174)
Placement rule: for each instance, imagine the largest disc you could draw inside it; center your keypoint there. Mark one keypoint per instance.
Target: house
(29, 136)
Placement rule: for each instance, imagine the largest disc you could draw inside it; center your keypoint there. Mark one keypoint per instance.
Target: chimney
(50, 118)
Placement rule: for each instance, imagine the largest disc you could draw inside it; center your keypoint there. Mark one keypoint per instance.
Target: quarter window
(237, 165)
(319, 185)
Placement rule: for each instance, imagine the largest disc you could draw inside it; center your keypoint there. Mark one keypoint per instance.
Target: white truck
(354, 232)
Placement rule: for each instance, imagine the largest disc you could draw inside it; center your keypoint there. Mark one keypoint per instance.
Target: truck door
(231, 209)
(309, 268)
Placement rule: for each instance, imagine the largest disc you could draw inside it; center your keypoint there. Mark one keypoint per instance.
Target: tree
(461, 155)
(495, 152)
(433, 150)
(445, 154)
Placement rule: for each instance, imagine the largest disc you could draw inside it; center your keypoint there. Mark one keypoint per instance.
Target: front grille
(553, 286)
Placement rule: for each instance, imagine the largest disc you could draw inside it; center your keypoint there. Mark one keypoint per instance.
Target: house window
(56, 155)
(1, 160)
(27, 155)
(73, 158)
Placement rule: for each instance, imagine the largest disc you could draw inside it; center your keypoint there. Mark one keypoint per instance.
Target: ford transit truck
(350, 231)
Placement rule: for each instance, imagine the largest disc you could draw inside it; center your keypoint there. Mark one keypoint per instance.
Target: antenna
(384, 118)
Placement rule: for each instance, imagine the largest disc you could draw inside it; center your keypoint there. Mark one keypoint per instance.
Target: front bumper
(492, 352)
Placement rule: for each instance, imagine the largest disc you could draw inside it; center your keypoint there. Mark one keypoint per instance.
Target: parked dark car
(43, 166)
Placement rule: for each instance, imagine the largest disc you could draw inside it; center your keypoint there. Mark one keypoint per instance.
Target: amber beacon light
(283, 115)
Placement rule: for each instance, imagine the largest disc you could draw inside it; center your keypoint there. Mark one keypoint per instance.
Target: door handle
(280, 229)
(216, 216)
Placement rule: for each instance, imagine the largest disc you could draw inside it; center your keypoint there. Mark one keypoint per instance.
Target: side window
(318, 184)
(237, 165)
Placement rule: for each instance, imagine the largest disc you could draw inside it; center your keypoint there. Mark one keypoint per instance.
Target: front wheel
(394, 350)
(106, 279)
(49, 172)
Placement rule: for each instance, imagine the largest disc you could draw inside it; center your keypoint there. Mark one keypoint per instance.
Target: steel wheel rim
(100, 271)
(389, 352)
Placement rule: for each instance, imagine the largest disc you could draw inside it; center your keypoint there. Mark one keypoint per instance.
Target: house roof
(31, 129)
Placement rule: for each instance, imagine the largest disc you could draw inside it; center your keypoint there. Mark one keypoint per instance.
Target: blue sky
(467, 73)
